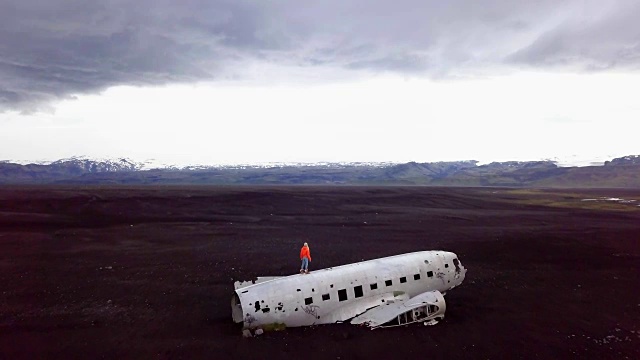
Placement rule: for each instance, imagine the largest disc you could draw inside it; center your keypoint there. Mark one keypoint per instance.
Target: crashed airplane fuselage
(389, 291)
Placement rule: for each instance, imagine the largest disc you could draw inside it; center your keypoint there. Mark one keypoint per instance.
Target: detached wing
(423, 307)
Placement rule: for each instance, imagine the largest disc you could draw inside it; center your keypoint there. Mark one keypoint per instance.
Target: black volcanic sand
(148, 272)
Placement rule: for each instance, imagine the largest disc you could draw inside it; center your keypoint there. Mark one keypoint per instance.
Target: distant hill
(625, 160)
(61, 170)
(619, 172)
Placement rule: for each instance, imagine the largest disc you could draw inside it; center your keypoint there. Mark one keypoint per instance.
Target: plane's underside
(391, 291)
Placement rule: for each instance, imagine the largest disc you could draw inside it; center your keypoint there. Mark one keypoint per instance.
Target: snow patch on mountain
(580, 161)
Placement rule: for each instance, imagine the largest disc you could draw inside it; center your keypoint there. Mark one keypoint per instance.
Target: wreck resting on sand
(390, 291)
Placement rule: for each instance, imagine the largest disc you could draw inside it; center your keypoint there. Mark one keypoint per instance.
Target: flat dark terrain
(148, 272)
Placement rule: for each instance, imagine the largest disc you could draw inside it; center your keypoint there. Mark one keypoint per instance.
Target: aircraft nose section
(460, 271)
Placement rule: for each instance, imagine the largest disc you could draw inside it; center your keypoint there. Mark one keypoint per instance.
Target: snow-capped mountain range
(125, 164)
(618, 172)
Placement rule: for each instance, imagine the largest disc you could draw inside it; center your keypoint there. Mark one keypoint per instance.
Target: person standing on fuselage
(305, 256)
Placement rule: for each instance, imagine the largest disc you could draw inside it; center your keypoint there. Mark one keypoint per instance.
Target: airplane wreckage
(386, 292)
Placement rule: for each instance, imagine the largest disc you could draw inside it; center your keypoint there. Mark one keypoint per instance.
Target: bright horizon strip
(524, 116)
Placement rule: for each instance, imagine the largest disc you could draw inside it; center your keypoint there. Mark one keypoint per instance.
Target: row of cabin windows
(357, 290)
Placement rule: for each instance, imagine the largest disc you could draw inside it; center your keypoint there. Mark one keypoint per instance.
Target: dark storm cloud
(50, 50)
(605, 40)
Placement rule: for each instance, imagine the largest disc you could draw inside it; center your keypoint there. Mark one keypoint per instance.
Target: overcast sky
(220, 82)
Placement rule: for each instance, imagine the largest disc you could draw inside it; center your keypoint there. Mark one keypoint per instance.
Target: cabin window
(446, 265)
(416, 277)
(388, 282)
(308, 301)
(374, 286)
(342, 294)
(325, 297)
(403, 279)
(430, 273)
(358, 291)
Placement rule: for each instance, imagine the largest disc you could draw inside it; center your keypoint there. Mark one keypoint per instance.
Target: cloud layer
(51, 50)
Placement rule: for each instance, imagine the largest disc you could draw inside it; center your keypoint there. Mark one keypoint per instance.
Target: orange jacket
(304, 252)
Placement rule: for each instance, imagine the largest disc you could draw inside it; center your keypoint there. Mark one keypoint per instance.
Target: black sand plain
(148, 272)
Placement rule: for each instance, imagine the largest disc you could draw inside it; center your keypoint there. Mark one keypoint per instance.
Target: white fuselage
(338, 294)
